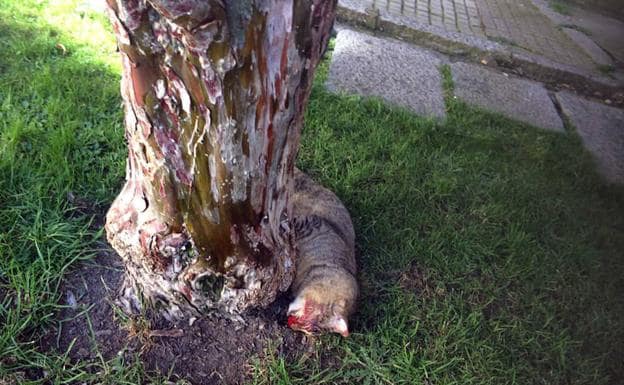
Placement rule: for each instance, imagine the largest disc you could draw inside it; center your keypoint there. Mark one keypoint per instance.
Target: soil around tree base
(209, 350)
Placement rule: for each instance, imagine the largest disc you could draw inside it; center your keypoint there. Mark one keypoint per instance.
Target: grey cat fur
(326, 266)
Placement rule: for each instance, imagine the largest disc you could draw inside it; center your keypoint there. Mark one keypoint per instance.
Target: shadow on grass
(489, 249)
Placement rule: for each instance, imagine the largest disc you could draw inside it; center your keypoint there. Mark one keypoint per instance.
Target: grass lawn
(490, 251)
(560, 6)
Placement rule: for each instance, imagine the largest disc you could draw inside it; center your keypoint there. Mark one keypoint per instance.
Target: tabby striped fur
(325, 287)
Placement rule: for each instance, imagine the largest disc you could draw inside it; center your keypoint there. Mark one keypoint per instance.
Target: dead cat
(325, 287)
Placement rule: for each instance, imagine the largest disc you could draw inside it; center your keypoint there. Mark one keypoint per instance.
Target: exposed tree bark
(214, 94)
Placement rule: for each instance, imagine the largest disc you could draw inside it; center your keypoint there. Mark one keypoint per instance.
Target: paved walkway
(367, 65)
(527, 32)
(517, 23)
(453, 15)
(606, 32)
(409, 76)
(520, 23)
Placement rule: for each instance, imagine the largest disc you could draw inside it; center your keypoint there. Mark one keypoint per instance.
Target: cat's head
(312, 317)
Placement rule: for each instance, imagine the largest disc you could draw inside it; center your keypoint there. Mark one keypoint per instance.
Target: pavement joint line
(475, 47)
(383, 67)
(517, 98)
(599, 128)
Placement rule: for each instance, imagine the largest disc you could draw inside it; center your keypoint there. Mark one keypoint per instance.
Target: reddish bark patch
(211, 350)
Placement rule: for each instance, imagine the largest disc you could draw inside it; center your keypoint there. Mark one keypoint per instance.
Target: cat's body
(325, 287)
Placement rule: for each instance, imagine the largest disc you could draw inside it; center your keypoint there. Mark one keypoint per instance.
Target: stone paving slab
(606, 32)
(598, 55)
(520, 23)
(452, 15)
(517, 33)
(395, 71)
(516, 98)
(517, 24)
(602, 130)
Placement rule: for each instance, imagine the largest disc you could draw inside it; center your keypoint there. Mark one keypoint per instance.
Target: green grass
(561, 7)
(606, 69)
(490, 252)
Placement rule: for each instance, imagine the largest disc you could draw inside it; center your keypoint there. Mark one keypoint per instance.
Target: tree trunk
(214, 93)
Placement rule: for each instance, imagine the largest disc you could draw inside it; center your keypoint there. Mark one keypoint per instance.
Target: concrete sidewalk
(522, 36)
(406, 75)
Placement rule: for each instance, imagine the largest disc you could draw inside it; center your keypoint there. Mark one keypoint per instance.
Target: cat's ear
(339, 325)
(296, 307)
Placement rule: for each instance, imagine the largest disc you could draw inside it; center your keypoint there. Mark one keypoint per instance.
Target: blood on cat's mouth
(302, 324)
(292, 321)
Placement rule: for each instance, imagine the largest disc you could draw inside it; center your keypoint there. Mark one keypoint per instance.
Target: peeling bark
(214, 93)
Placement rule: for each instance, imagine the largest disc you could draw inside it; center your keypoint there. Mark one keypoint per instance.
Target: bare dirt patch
(210, 350)
(416, 280)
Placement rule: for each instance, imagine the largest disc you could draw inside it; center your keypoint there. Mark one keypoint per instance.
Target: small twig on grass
(166, 333)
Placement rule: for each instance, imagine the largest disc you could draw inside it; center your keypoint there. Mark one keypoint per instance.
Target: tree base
(164, 269)
(171, 298)
(209, 350)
